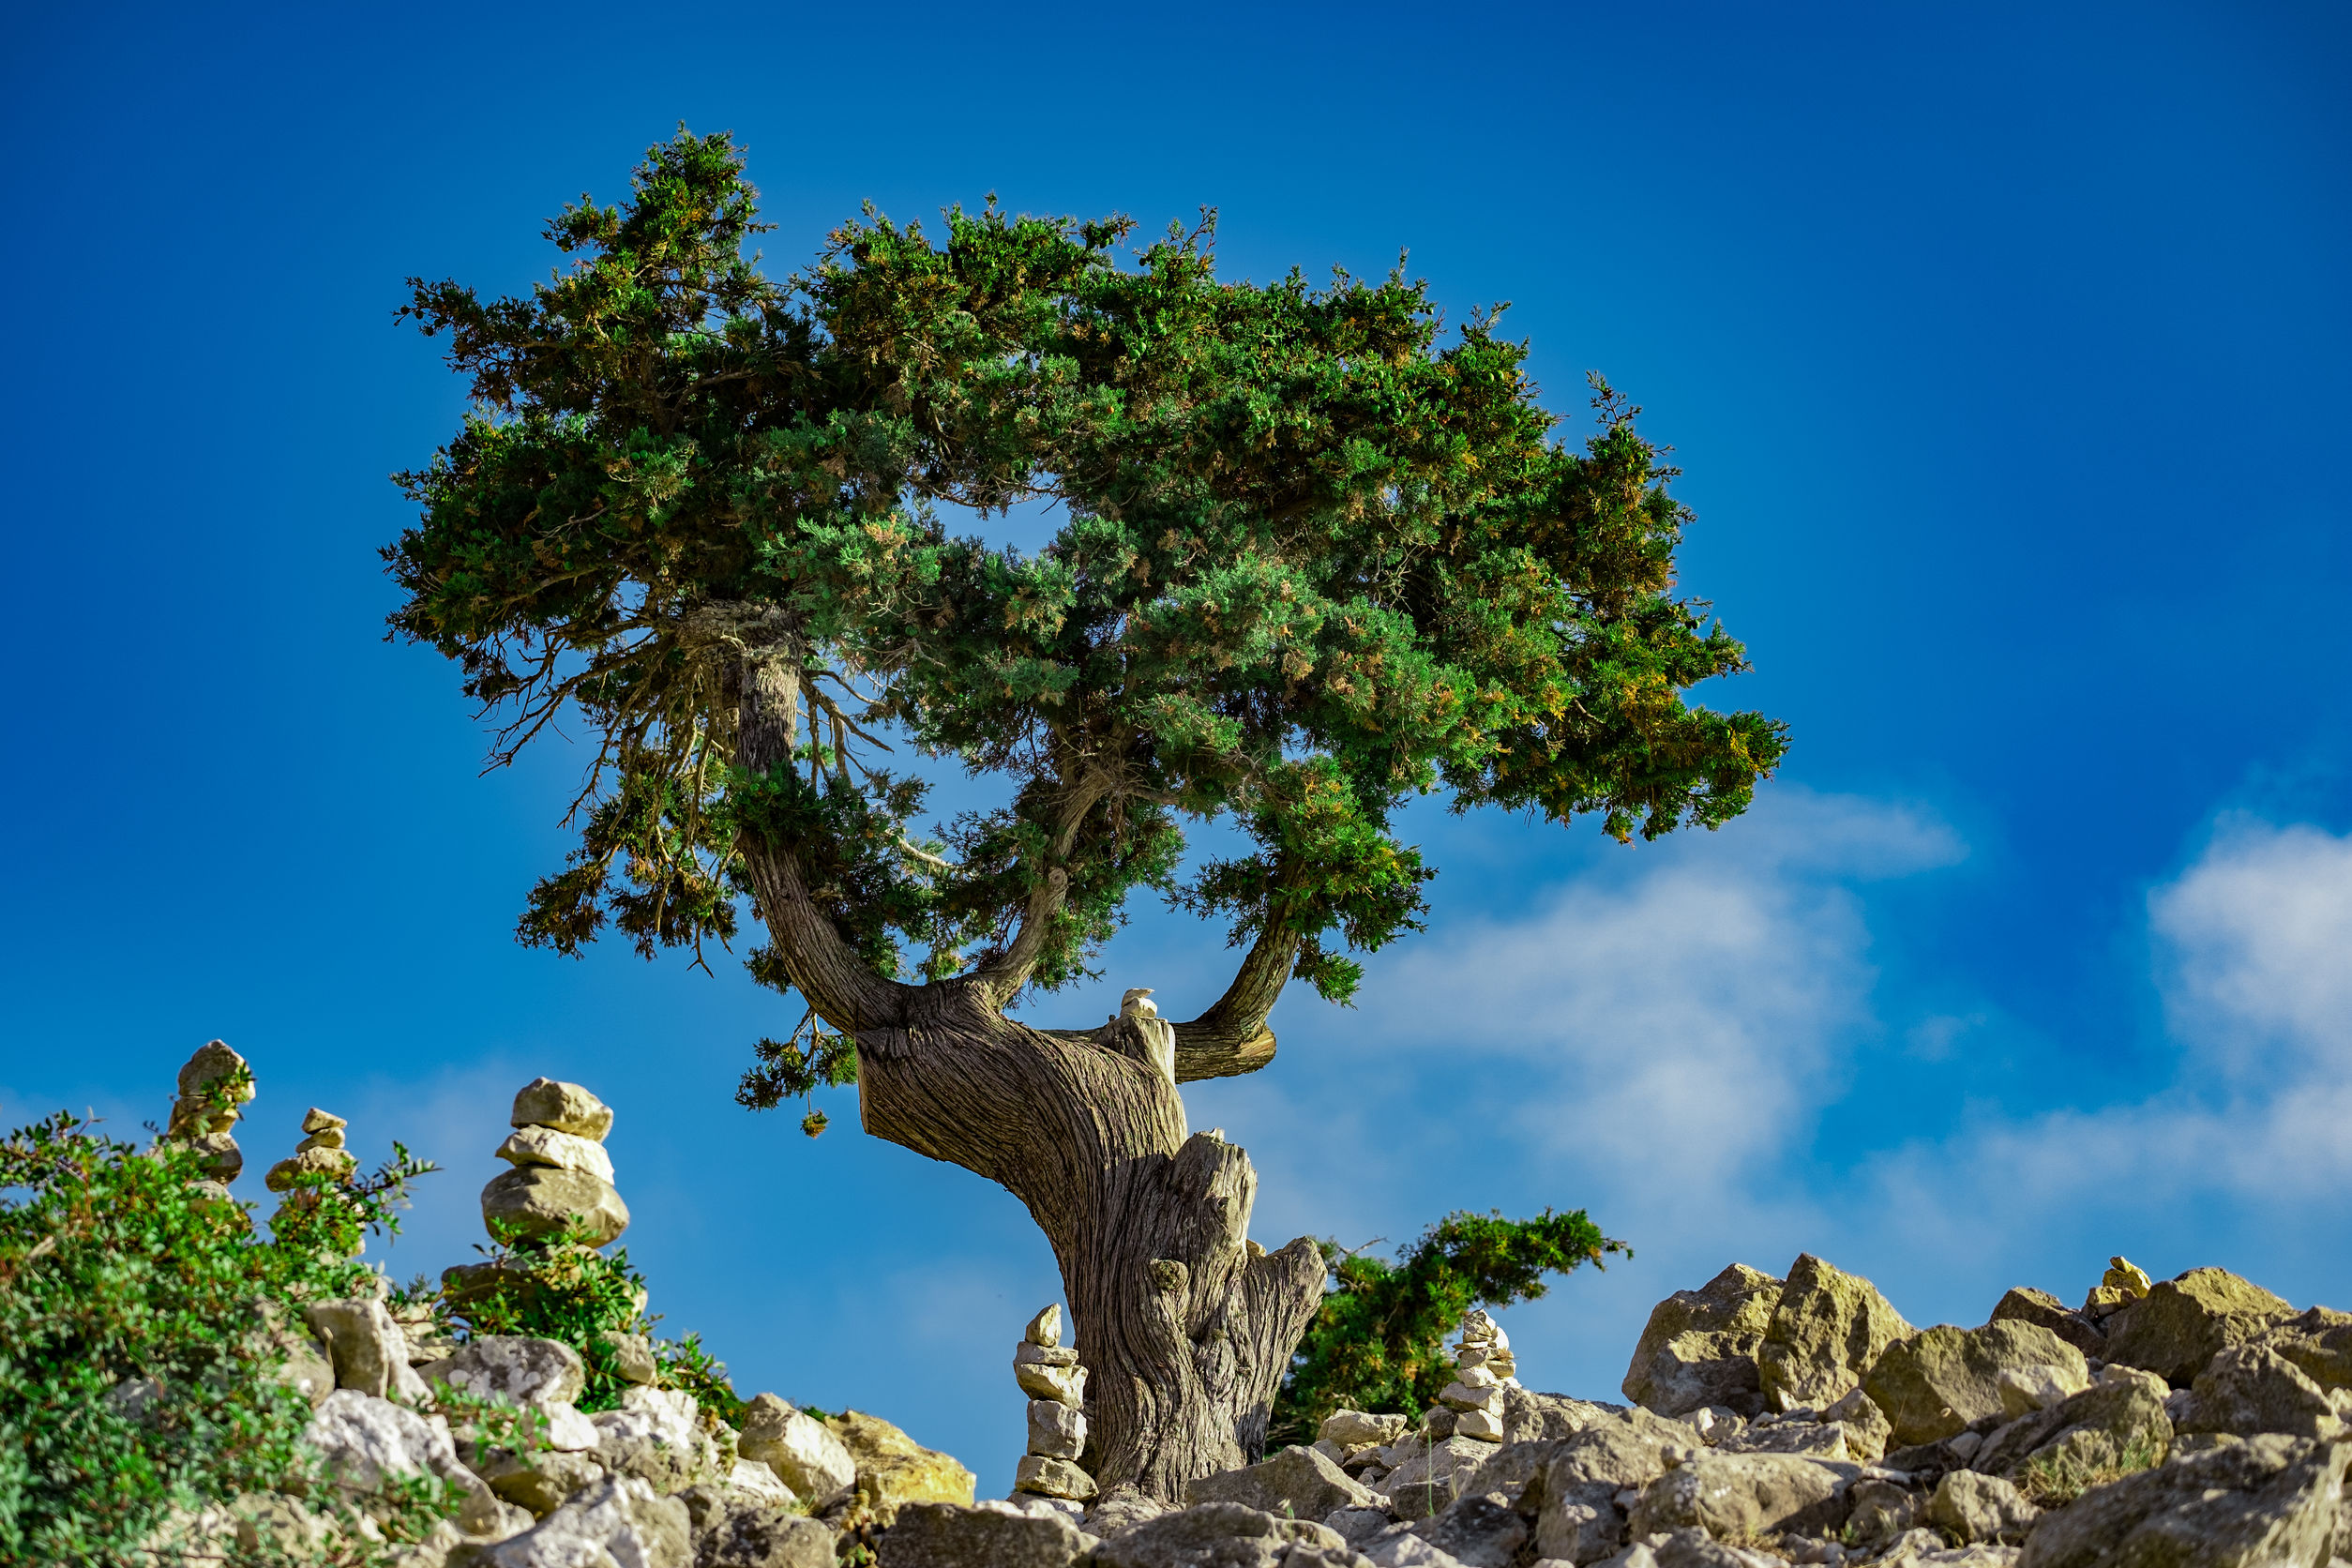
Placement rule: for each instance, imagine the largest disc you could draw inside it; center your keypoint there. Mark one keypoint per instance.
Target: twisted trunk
(1184, 1325)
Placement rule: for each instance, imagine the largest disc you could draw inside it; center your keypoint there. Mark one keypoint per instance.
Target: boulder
(565, 1106)
(892, 1470)
(750, 1481)
(1477, 1531)
(567, 1430)
(1122, 1508)
(1529, 1417)
(518, 1368)
(2117, 1422)
(301, 1360)
(1297, 1482)
(1426, 1478)
(1699, 1346)
(1056, 1431)
(538, 1201)
(2182, 1323)
(2270, 1500)
(799, 1449)
(1217, 1535)
(2319, 1341)
(632, 1357)
(1936, 1382)
(1048, 1477)
(2248, 1389)
(1738, 1495)
(2045, 1310)
(942, 1535)
(559, 1151)
(365, 1440)
(1866, 1427)
(1880, 1510)
(540, 1482)
(729, 1529)
(657, 1437)
(1354, 1428)
(1828, 1328)
(1980, 1508)
(620, 1520)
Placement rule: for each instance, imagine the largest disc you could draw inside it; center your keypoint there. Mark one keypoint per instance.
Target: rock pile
(1483, 1368)
(1051, 1375)
(561, 1176)
(321, 1152)
(214, 1086)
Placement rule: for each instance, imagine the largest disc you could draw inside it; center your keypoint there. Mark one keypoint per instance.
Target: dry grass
(2053, 1481)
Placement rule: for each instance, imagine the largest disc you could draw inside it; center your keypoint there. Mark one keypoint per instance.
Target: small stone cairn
(1483, 1368)
(560, 1174)
(321, 1152)
(202, 1121)
(1051, 1375)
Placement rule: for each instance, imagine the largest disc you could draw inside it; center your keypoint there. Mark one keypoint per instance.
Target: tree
(1312, 563)
(1379, 1341)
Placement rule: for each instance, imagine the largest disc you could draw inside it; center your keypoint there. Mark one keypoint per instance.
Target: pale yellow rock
(568, 1107)
(1052, 1478)
(893, 1469)
(558, 1151)
(2127, 1276)
(1045, 1328)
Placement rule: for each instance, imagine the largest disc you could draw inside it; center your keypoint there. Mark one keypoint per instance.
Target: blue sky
(2004, 348)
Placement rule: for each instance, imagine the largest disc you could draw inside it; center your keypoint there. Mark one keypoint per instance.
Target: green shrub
(1379, 1341)
(141, 1321)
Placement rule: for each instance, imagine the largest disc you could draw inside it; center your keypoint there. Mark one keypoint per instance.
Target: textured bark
(1184, 1325)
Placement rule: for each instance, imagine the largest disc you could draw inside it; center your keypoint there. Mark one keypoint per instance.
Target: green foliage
(140, 1321)
(1317, 556)
(1378, 1344)
(560, 1287)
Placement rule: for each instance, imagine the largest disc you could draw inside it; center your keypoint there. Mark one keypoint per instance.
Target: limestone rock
(1867, 1428)
(1459, 1395)
(192, 1116)
(1029, 1353)
(632, 1357)
(1297, 1482)
(365, 1440)
(302, 1362)
(1425, 1479)
(362, 1341)
(1122, 1508)
(733, 1530)
(1529, 1417)
(2183, 1323)
(1481, 1426)
(1049, 1477)
(1215, 1535)
(559, 1151)
(1477, 1531)
(315, 1120)
(1354, 1428)
(2119, 1419)
(942, 1535)
(1064, 1385)
(2248, 1389)
(535, 1201)
(219, 1156)
(2025, 1305)
(754, 1482)
(1936, 1382)
(1045, 1328)
(657, 1437)
(620, 1520)
(517, 1368)
(543, 1482)
(335, 1165)
(1699, 1346)
(802, 1451)
(1056, 1431)
(565, 1106)
(1980, 1508)
(2270, 1500)
(893, 1469)
(1880, 1510)
(1828, 1328)
(2127, 1276)
(2319, 1341)
(1745, 1494)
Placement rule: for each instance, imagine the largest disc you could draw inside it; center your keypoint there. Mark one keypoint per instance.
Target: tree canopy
(1317, 554)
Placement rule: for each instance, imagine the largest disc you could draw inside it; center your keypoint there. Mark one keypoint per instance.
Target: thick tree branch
(1232, 1037)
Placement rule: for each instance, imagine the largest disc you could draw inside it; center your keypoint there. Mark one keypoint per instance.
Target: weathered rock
(2183, 1323)
(1815, 1439)
(1482, 1426)
(365, 1440)
(942, 1535)
(2119, 1421)
(1699, 1346)
(632, 1357)
(1745, 1494)
(2248, 1389)
(334, 1165)
(362, 1342)
(193, 1115)
(1045, 1328)
(620, 1520)
(558, 1151)
(2023, 1304)
(1215, 1535)
(1980, 1508)
(219, 1155)
(1056, 1431)
(1934, 1382)
(1122, 1508)
(1354, 1428)
(1425, 1479)
(302, 1362)
(2320, 1342)
(1297, 1482)
(1460, 1395)
(541, 1482)
(1828, 1328)
(752, 1480)
(565, 1106)
(1880, 1510)
(1581, 1523)
(657, 1437)
(1064, 1385)
(1477, 1530)
(1529, 1417)
(517, 1368)
(538, 1201)
(2268, 1500)
(1049, 1477)
(731, 1531)
(1620, 1454)
(1867, 1428)
(802, 1451)
(894, 1469)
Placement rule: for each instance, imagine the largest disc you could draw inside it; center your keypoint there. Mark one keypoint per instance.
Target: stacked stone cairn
(1048, 1372)
(561, 1176)
(1483, 1368)
(321, 1152)
(204, 1112)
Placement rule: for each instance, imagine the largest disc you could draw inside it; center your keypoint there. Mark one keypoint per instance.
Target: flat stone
(1352, 1429)
(2184, 1322)
(1699, 1346)
(1056, 1431)
(1461, 1396)
(518, 1368)
(558, 1151)
(315, 1120)
(945, 1535)
(2268, 1500)
(1939, 1380)
(537, 1202)
(566, 1106)
(1297, 1482)
(1045, 1328)
(802, 1451)
(1028, 1353)
(1049, 1477)
(1480, 1425)
(1828, 1329)
(1064, 1385)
